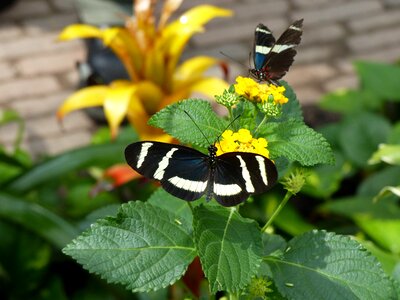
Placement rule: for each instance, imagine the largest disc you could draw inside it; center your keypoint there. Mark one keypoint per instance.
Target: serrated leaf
(381, 79)
(143, 248)
(229, 247)
(174, 121)
(297, 142)
(321, 265)
(160, 198)
(360, 136)
(292, 109)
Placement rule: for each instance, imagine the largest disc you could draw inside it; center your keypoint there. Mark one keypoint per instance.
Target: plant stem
(259, 124)
(276, 212)
(190, 206)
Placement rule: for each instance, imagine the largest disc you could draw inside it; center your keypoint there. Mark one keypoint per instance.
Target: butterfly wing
(240, 174)
(263, 43)
(280, 58)
(182, 171)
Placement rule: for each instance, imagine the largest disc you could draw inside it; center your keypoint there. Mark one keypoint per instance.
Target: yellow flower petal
(75, 31)
(169, 7)
(116, 106)
(193, 69)
(176, 35)
(155, 67)
(86, 97)
(123, 44)
(138, 117)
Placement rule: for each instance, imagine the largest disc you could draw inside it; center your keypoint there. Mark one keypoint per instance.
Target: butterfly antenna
(233, 59)
(197, 126)
(229, 125)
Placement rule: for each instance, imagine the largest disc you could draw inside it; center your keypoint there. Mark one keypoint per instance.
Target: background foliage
(46, 205)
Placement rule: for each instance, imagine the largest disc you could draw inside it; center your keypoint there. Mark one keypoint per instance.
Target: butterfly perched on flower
(188, 174)
(272, 59)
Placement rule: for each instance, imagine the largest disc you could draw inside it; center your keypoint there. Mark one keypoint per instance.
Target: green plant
(151, 242)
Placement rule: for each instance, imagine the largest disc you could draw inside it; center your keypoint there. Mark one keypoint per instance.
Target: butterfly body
(189, 174)
(272, 59)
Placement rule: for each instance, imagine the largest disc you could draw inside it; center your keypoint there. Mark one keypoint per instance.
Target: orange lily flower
(150, 53)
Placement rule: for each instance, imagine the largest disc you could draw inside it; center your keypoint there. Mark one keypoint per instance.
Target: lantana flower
(268, 97)
(150, 53)
(241, 141)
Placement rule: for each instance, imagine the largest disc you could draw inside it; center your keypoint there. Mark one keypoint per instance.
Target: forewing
(281, 56)
(240, 174)
(182, 171)
(263, 43)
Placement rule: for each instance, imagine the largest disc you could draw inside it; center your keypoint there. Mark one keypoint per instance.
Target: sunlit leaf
(143, 247)
(389, 154)
(321, 265)
(229, 246)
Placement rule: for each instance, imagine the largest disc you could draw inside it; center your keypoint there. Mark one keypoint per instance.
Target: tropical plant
(150, 53)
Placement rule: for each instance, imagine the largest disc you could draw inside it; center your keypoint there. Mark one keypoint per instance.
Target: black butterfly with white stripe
(188, 174)
(272, 59)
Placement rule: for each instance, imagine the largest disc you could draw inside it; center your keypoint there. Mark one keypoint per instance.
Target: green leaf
(388, 190)
(373, 184)
(273, 243)
(380, 79)
(291, 109)
(174, 121)
(181, 209)
(126, 134)
(66, 162)
(352, 207)
(229, 246)
(387, 260)
(9, 115)
(324, 180)
(385, 231)
(321, 265)
(360, 136)
(38, 219)
(394, 134)
(289, 220)
(350, 101)
(297, 142)
(143, 248)
(389, 154)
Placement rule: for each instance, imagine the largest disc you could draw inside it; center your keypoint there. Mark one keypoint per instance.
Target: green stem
(190, 206)
(276, 212)
(259, 124)
(233, 296)
(230, 113)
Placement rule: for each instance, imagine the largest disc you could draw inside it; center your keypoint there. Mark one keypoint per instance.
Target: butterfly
(272, 59)
(189, 174)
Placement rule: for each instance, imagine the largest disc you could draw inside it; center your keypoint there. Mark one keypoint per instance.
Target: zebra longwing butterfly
(188, 174)
(272, 59)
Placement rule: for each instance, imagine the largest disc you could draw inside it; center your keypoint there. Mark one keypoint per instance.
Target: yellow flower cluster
(241, 141)
(257, 92)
